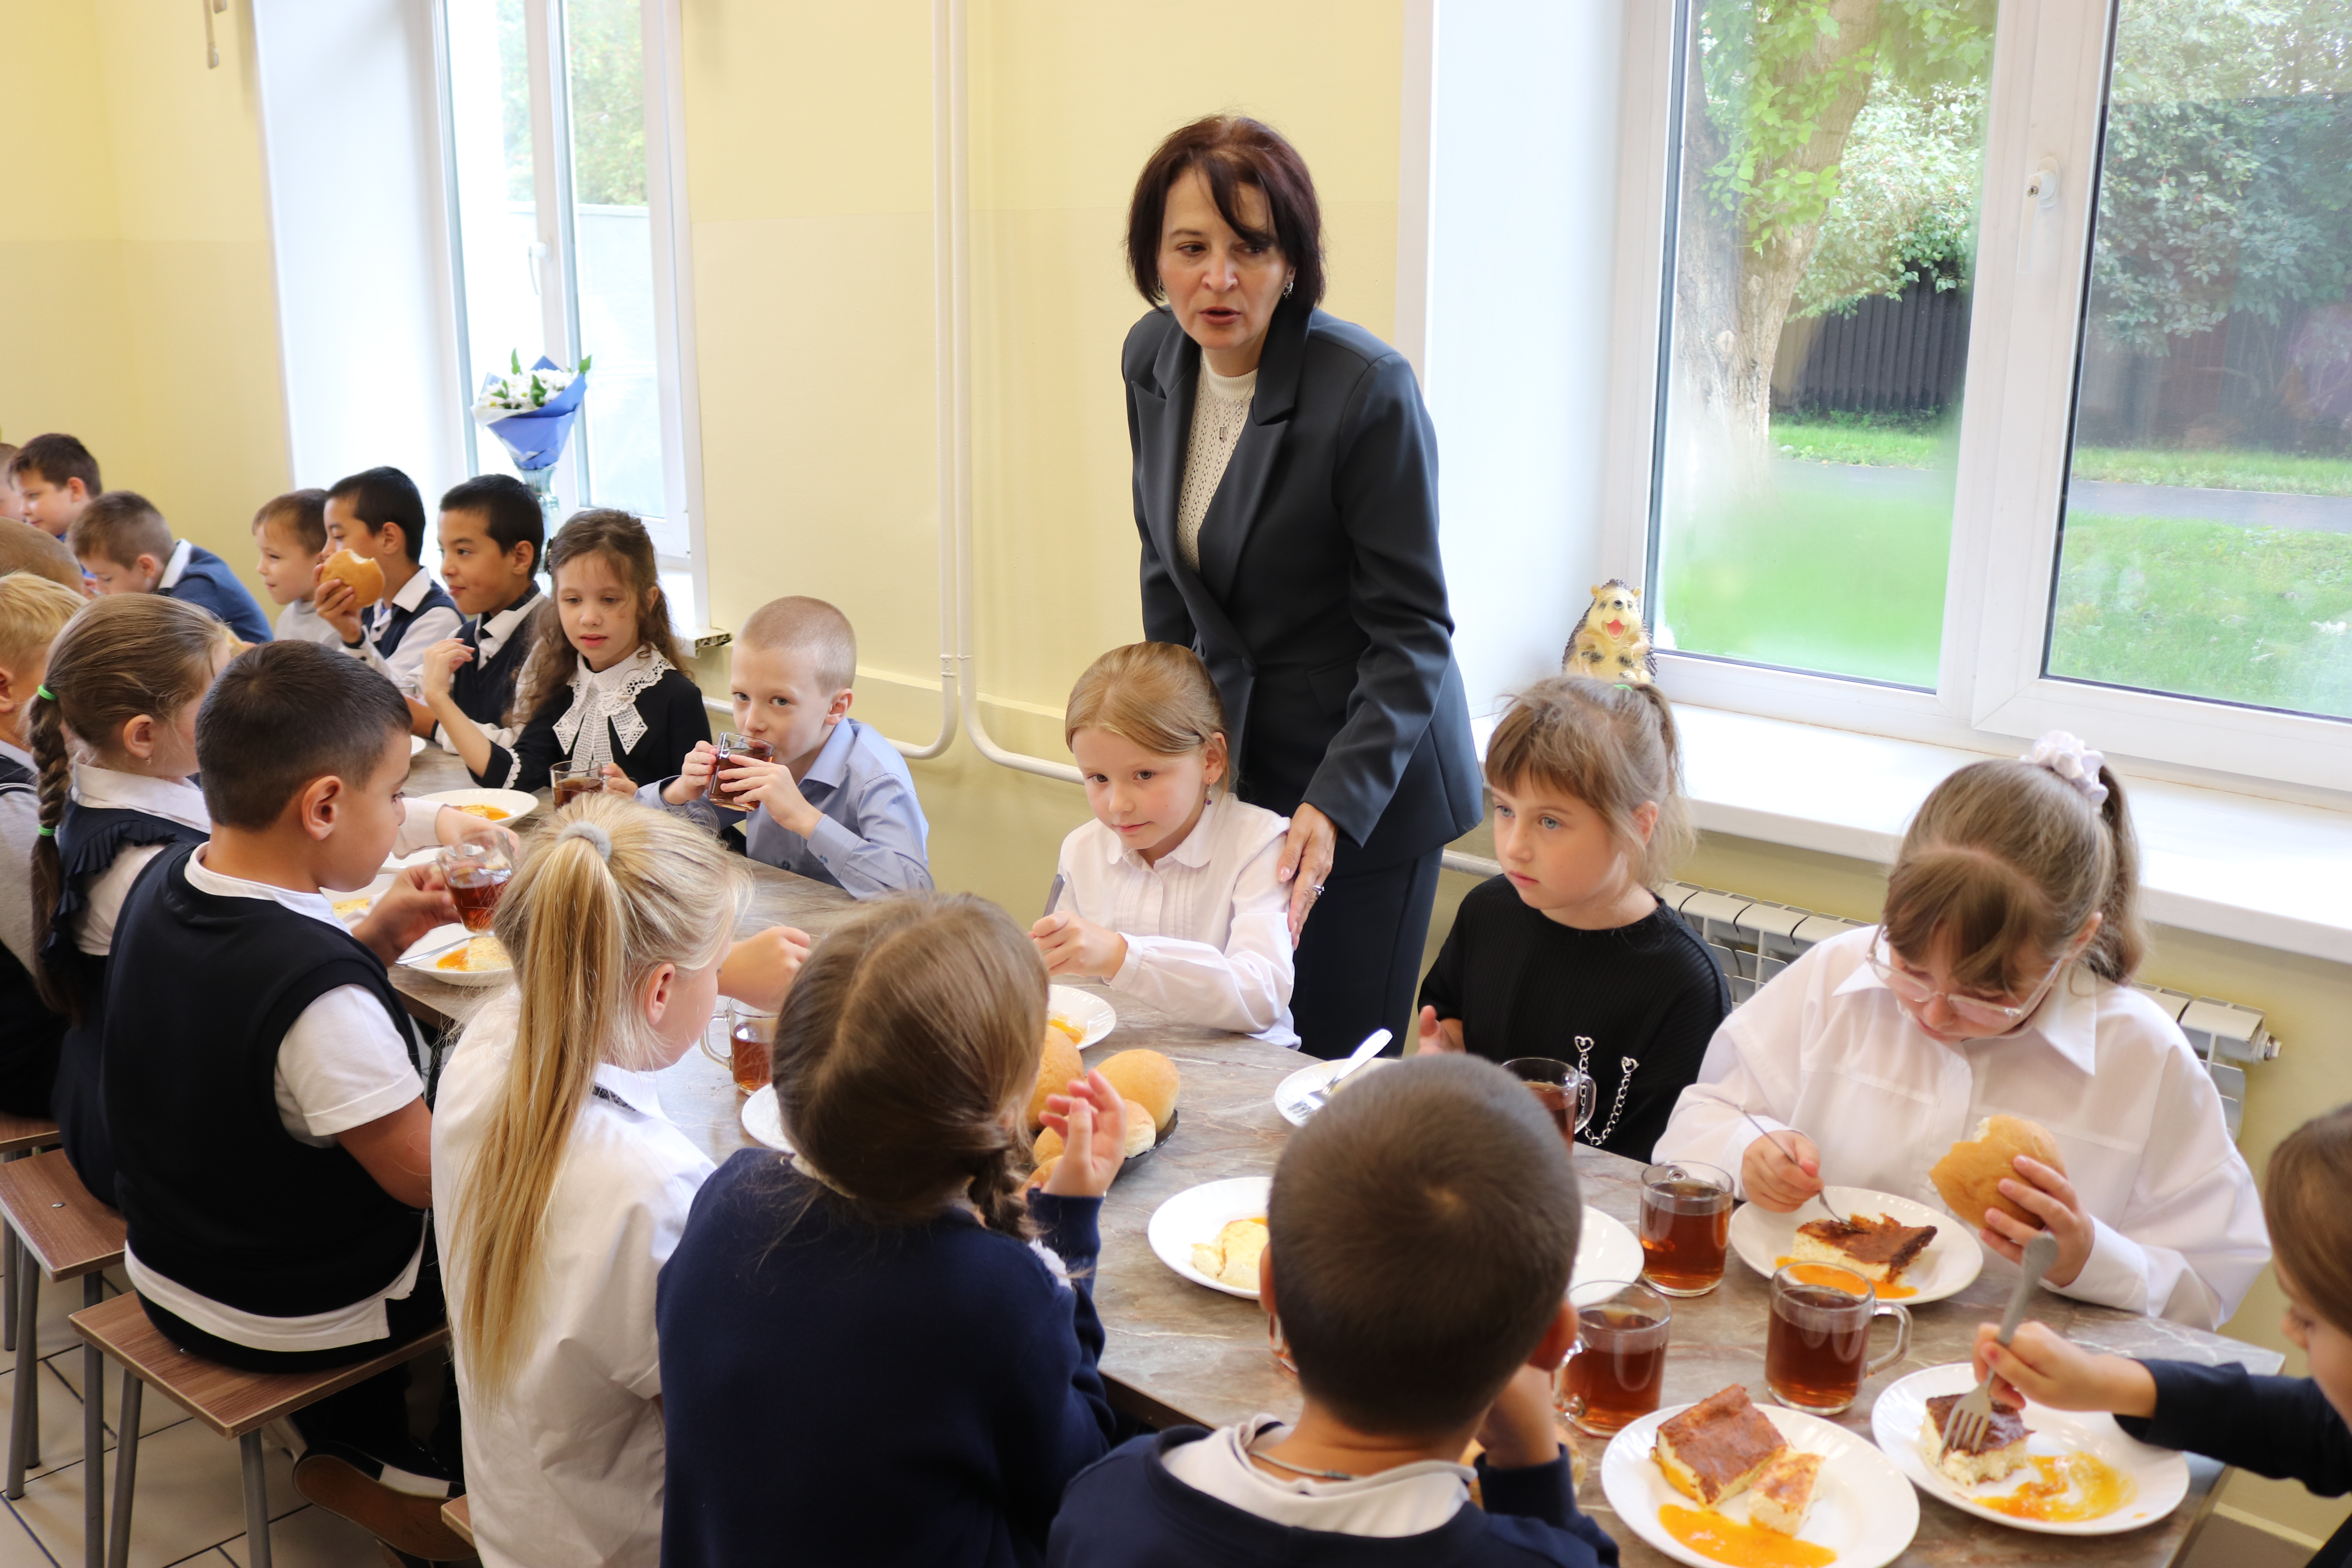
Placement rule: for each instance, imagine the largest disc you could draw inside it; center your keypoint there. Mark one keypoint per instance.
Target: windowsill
(2255, 870)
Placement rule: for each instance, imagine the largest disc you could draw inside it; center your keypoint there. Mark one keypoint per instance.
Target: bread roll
(364, 575)
(1148, 1079)
(1970, 1176)
(1044, 1169)
(1141, 1131)
(1056, 1066)
(1047, 1145)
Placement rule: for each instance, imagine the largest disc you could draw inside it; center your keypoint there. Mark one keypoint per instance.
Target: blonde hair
(587, 927)
(2008, 862)
(1155, 695)
(904, 1053)
(1612, 747)
(809, 628)
(32, 609)
(2310, 1224)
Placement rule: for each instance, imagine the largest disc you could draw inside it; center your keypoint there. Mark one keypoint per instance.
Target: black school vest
(29, 1031)
(217, 1195)
(484, 689)
(396, 621)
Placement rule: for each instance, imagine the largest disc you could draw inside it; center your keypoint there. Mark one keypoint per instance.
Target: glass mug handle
(1585, 1096)
(1902, 1338)
(720, 1020)
(1560, 1397)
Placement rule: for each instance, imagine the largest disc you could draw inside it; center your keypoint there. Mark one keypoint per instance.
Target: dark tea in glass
(1565, 1093)
(1618, 1370)
(1686, 1224)
(750, 1037)
(733, 748)
(570, 783)
(474, 890)
(1817, 1348)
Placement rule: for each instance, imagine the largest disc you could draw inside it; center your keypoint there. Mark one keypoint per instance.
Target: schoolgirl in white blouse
(1999, 982)
(1169, 893)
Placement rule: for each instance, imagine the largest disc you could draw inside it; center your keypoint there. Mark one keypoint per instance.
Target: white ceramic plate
(442, 937)
(1290, 1094)
(425, 856)
(1083, 1007)
(1197, 1214)
(2160, 1474)
(763, 1121)
(1861, 1508)
(1762, 1238)
(1606, 1251)
(372, 892)
(513, 801)
(415, 744)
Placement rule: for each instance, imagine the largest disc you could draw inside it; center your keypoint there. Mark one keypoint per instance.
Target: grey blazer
(1319, 604)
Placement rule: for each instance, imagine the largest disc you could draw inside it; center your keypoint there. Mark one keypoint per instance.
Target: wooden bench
(19, 1136)
(68, 1235)
(458, 1515)
(232, 1404)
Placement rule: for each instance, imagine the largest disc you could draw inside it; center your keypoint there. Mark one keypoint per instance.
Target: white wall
(1523, 153)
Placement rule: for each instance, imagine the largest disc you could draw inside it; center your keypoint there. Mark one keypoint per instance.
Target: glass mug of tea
(1617, 1370)
(477, 872)
(1685, 1224)
(1564, 1092)
(734, 748)
(570, 782)
(1817, 1348)
(751, 1036)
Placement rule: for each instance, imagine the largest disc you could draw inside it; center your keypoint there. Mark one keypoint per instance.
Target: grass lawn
(1846, 440)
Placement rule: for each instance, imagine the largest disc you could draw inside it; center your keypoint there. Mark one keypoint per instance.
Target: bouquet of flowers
(532, 411)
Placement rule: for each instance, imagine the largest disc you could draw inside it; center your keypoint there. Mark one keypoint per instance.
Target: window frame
(2046, 107)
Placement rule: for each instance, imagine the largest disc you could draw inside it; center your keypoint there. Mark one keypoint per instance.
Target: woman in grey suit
(1286, 490)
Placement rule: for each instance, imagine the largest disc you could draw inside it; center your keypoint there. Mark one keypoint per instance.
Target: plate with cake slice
(1726, 1480)
(2058, 1472)
(1909, 1252)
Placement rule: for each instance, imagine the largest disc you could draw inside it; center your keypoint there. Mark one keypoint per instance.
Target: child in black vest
(33, 610)
(271, 1131)
(124, 681)
(1422, 1231)
(492, 536)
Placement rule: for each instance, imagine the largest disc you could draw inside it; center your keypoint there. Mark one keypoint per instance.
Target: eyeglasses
(1974, 1011)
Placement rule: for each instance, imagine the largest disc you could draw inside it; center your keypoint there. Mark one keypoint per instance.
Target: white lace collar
(609, 694)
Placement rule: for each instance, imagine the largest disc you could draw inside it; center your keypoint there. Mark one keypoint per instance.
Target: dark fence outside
(1899, 355)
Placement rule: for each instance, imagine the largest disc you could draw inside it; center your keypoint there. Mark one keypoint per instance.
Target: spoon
(1835, 1218)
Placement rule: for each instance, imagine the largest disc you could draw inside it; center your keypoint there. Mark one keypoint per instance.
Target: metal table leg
(256, 1502)
(126, 1471)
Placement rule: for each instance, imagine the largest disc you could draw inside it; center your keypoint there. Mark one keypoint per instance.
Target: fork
(1315, 1099)
(1964, 1428)
(1820, 1198)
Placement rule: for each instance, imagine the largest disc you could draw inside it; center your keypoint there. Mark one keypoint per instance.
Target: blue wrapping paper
(534, 437)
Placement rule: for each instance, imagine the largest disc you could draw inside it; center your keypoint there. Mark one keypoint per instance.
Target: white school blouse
(567, 1467)
(1207, 928)
(1823, 1048)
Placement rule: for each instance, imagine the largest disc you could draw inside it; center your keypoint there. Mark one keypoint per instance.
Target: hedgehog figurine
(1610, 643)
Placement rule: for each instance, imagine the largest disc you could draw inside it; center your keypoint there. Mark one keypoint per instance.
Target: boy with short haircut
(492, 536)
(32, 610)
(377, 513)
(273, 1139)
(289, 532)
(12, 499)
(838, 803)
(1422, 1228)
(58, 478)
(126, 547)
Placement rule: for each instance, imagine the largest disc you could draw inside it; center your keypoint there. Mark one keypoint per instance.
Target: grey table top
(1177, 1352)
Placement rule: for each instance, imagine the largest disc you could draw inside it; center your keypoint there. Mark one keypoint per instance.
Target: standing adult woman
(1286, 490)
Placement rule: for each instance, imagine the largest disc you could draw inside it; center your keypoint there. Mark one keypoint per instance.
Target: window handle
(2041, 189)
(535, 255)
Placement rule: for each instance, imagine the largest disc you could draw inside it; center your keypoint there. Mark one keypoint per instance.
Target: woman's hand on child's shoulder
(1782, 1172)
(693, 781)
(432, 677)
(2041, 1365)
(2039, 1190)
(1439, 1034)
(1072, 946)
(417, 901)
(1092, 1121)
(761, 968)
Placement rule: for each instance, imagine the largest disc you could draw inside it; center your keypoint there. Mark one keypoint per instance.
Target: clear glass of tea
(1685, 1224)
(1617, 1370)
(477, 872)
(1817, 1348)
(570, 782)
(734, 748)
(1563, 1093)
(751, 1036)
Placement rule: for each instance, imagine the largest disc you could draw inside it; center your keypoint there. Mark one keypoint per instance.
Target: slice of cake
(1714, 1449)
(2000, 1454)
(1782, 1493)
(1878, 1250)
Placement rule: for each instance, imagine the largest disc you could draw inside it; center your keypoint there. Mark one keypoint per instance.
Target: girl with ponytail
(1998, 981)
(864, 1356)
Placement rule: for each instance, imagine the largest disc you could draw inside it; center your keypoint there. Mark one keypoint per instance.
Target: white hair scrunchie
(2071, 759)
(592, 833)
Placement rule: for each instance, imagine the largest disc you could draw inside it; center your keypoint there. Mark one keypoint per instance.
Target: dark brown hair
(1422, 1231)
(907, 1036)
(623, 541)
(1231, 151)
(283, 714)
(382, 496)
(2310, 1224)
(120, 657)
(120, 526)
(56, 458)
(1612, 747)
(511, 514)
(303, 513)
(2006, 862)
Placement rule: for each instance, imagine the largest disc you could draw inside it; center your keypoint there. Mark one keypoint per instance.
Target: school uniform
(839, 1392)
(870, 837)
(1180, 1497)
(642, 713)
(301, 622)
(484, 686)
(1825, 1049)
(1207, 925)
(2281, 1428)
(395, 630)
(29, 1031)
(1632, 1007)
(567, 1467)
(200, 577)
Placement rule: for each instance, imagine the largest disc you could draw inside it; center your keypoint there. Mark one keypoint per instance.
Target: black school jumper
(29, 1031)
(483, 688)
(2281, 1428)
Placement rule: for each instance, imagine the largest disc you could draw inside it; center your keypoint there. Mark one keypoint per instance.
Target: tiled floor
(190, 1502)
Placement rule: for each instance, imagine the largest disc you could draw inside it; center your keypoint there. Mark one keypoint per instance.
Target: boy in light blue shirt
(833, 802)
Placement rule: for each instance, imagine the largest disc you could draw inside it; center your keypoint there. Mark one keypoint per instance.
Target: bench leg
(93, 1437)
(126, 1470)
(24, 1409)
(256, 1502)
(8, 1276)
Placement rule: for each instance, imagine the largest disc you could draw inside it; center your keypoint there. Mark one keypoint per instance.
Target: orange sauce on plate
(2068, 1488)
(1823, 1274)
(1729, 1542)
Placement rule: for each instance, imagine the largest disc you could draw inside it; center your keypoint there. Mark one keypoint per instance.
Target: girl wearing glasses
(1997, 982)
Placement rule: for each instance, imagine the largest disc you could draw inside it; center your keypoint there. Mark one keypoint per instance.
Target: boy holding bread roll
(1983, 1047)
(387, 617)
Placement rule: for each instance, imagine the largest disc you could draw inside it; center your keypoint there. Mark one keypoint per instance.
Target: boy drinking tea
(289, 535)
(126, 547)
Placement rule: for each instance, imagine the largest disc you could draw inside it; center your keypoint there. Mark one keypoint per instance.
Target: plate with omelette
(500, 805)
(456, 956)
(1728, 1481)
(1910, 1253)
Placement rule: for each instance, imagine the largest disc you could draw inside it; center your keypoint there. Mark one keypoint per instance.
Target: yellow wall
(136, 266)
